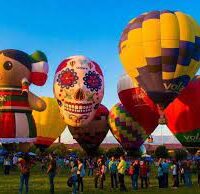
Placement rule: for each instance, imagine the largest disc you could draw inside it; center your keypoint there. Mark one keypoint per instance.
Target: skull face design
(79, 89)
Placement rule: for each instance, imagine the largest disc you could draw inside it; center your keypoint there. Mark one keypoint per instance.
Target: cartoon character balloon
(49, 123)
(17, 71)
(160, 51)
(90, 136)
(183, 115)
(79, 89)
(125, 129)
(138, 104)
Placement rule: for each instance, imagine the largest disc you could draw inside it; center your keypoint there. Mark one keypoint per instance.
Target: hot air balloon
(183, 115)
(49, 123)
(138, 104)
(17, 71)
(125, 129)
(90, 137)
(160, 51)
(79, 89)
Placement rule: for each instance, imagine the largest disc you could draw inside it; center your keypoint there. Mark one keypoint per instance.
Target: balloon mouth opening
(162, 98)
(162, 121)
(78, 108)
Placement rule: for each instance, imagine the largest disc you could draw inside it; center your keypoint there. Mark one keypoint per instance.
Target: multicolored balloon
(138, 104)
(49, 123)
(17, 71)
(160, 50)
(79, 89)
(90, 137)
(183, 115)
(125, 129)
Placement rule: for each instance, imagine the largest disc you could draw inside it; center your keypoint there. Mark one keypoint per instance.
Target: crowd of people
(99, 168)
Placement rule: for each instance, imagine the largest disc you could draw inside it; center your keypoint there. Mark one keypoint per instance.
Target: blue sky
(62, 28)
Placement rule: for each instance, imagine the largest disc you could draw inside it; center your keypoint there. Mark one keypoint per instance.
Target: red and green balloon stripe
(189, 138)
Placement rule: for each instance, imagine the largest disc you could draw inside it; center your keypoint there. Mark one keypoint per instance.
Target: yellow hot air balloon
(160, 51)
(49, 123)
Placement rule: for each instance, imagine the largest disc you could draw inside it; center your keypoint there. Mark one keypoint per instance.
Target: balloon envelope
(79, 89)
(49, 123)
(183, 115)
(17, 71)
(138, 104)
(125, 129)
(160, 50)
(91, 136)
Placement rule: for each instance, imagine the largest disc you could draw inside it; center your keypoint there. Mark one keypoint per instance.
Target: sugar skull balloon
(79, 89)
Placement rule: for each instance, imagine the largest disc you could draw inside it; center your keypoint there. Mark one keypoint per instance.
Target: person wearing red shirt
(143, 174)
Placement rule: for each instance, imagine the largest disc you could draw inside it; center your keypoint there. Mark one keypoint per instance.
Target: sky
(61, 28)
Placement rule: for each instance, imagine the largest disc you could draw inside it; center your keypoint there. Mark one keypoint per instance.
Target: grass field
(39, 185)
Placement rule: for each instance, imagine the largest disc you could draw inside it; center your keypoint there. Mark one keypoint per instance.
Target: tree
(58, 148)
(134, 153)
(100, 151)
(33, 148)
(192, 150)
(161, 152)
(117, 151)
(180, 154)
(79, 152)
(37, 151)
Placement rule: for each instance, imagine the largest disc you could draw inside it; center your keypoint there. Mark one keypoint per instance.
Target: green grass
(39, 185)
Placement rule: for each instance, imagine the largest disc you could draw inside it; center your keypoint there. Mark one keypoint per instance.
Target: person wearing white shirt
(7, 164)
(175, 171)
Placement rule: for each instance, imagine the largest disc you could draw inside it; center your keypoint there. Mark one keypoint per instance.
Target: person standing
(188, 174)
(14, 161)
(148, 172)
(80, 174)
(175, 170)
(59, 163)
(136, 174)
(131, 173)
(51, 171)
(160, 176)
(43, 165)
(121, 172)
(112, 166)
(143, 174)
(198, 172)
(24, 165)
(74, 169)
(182, 172)
(165, 168)
(102, 173)
(90, 163)
(97, 173)
(7, 165)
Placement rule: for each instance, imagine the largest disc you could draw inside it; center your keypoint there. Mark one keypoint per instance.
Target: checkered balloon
(125, 128)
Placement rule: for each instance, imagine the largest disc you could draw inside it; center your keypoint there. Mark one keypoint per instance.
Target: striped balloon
(160, 50)
(125, 129)
(138, 104)
(183, 115)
